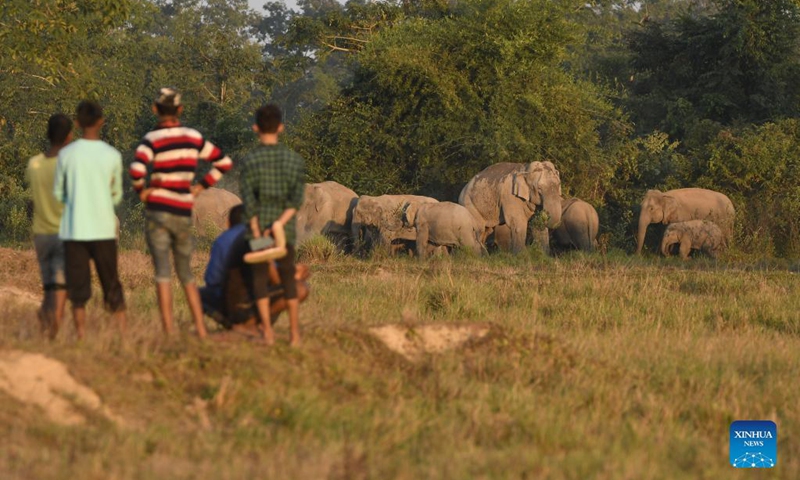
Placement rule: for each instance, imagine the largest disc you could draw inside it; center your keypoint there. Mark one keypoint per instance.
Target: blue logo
(754, 444)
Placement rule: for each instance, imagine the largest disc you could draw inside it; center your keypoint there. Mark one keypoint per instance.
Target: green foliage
(436, 99)
(758, 168)
(737, 65)
(317, 249)
(15, 219)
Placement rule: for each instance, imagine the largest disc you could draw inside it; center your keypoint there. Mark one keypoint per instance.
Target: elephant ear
(520, 188)
(670, 209)
(316, 195)
(409, 214)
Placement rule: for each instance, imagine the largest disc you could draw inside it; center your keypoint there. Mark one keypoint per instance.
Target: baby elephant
(443, 224)
(693, 235)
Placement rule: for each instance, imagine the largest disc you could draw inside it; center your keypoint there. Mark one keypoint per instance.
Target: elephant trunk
(666, 246)
(644, 221)
(551, 204)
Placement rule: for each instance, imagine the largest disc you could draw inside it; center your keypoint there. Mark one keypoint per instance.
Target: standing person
(171, 151)
(272, 184)
(46, 221)
(88, 181)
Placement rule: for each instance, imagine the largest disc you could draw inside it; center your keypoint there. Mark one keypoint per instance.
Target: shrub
(15, 211)
(317, 249)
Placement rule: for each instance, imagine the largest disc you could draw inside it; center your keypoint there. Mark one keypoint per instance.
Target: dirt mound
(36, 379)
(415, 342)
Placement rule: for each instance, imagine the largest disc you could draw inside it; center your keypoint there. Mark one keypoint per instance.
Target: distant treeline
(416, 96)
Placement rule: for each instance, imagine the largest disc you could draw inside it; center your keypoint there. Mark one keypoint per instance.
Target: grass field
(595, 367)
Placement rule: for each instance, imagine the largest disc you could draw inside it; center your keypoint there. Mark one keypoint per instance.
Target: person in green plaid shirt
(272, 183)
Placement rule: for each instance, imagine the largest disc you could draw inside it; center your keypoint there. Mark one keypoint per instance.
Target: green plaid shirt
(272, 181)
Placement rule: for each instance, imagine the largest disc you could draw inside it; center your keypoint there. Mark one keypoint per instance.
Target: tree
(436, 98)
(737, 65)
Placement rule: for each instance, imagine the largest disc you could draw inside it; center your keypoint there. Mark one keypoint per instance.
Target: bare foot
(295, 341)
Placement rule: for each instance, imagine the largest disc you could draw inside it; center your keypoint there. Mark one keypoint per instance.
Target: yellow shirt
(46, 209)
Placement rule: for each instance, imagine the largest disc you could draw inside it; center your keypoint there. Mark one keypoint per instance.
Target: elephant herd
(494, 210)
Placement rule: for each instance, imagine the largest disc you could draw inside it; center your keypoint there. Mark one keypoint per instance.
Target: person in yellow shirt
(40, 175)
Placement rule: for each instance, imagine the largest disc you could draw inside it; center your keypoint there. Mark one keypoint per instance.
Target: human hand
(145, 193)
(196, 189)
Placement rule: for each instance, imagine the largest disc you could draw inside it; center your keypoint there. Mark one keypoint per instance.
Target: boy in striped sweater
(171, 153)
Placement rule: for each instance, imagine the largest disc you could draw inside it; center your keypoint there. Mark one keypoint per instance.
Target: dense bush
(759, 167)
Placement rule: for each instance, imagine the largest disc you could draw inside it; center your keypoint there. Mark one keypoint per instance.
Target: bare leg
(294, 321)
(45, 313)
(79, 317)
(164, 293)
(266, 327)
(196, 307)
(61, 303)
(122, 322)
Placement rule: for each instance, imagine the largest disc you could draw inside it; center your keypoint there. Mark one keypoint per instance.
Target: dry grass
(594, 367)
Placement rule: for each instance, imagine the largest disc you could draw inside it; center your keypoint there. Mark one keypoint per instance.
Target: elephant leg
(686, 248)
(422, 241)
(518, 236)
(485, 235)
(581, 238)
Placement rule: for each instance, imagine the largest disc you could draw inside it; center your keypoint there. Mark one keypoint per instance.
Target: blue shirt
(218, 261)
(88, 182)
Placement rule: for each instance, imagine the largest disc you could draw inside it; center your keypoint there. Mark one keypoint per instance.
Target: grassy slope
(596, 368)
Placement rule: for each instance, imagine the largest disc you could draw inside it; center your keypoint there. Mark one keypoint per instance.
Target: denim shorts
(50, 253)
(167, 232)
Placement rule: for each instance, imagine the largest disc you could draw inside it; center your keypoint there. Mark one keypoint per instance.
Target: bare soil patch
(414, 342)
(33, 378)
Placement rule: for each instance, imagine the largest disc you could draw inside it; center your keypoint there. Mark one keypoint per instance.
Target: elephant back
(327, 209)
(210, 210)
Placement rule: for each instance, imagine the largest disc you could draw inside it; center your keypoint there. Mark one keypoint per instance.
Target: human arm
(116, 181)
(220, 164)
(286, 216)
(215, 270)
(247, 192)
(59, 192)
(138, 169)
(297, 190)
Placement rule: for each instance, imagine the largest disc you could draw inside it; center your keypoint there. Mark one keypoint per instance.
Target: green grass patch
(595, 367)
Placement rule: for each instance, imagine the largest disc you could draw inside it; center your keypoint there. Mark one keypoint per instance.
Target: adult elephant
(509, 194)
(682, 205)
(327, 210)
(378, 220)
(442, 224)
(210, 211)
(579, 225)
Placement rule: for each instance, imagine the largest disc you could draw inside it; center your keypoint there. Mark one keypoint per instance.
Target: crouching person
(227, 296)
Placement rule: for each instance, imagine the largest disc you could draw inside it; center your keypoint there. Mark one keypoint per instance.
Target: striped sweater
(171, 153)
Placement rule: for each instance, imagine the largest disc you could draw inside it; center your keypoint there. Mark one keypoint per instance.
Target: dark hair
(167, 110)
(269, 118)
(58, 128)
(88, 113)
(235, 215)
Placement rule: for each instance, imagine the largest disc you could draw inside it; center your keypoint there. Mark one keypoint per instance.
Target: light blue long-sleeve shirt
(89, 183)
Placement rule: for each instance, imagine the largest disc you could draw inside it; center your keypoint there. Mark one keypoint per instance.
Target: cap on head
(168, 97)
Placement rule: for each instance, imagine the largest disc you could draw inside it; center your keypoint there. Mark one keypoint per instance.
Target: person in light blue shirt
(88, 182)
